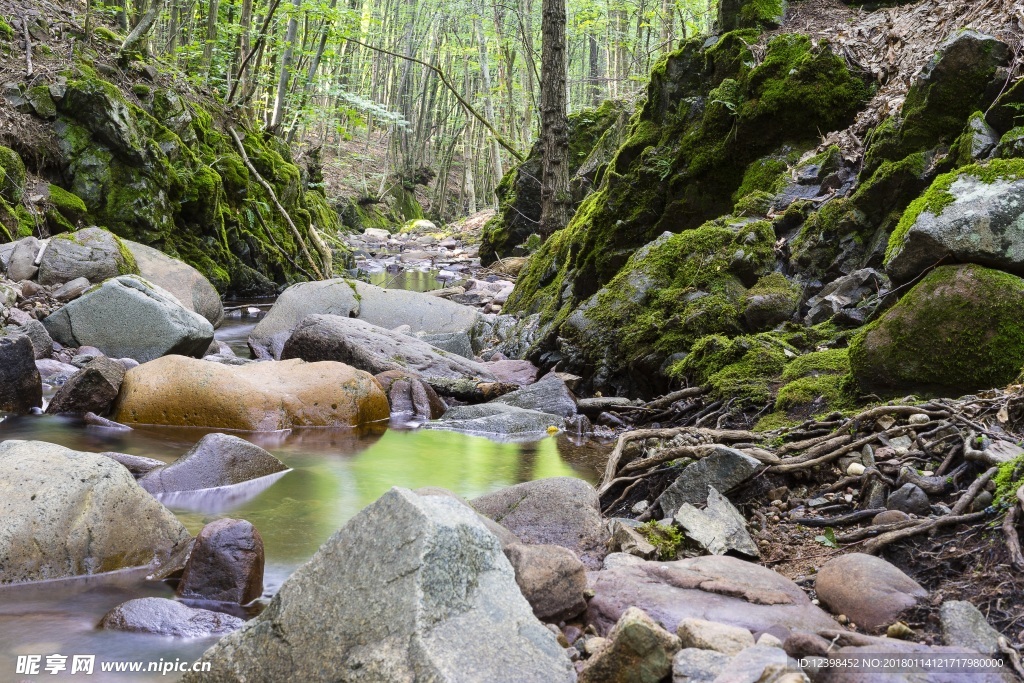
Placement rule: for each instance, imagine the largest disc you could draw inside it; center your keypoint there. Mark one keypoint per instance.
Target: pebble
(918, 419)
(855, 469)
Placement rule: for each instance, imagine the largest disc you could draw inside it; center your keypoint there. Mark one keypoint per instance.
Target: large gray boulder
(975, 215)
(65, 513)
(127, 317)
(496, 419)
(217, 460)
(21, 386)
(374, 349)
(412, 588)
(715, 588)
(93, 253)
(187, 284)
(557, 511)
(387, 308)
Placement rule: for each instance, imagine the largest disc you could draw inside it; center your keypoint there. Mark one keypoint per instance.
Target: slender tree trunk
(485, 75)
(526, 19)
(325, 31)
(211, 34)
(595, 70)
(668, 24)
(555, 200)
(286, 66)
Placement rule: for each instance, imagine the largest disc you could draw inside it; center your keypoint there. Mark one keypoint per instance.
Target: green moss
(67, 203)
(938, 196)
(12, 175)
(764, 175)
(1008, 481)
(776, 421)
(6, 32)
(828, 362)
(141, 90)
(104, 34)
(959, 329)
(665, 538)
(746, 369)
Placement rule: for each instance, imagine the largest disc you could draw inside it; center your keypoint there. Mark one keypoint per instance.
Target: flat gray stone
(548, 395)
(412, 588)
(963, 625)
(719, 528)
(217, 460)
(496, 419)
(692, 665)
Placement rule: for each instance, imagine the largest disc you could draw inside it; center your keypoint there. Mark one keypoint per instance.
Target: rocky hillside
(93, 140)
(803, 211)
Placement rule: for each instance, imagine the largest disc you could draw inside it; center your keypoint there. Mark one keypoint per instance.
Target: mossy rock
(736, 14)
(772, 301)
(747, 369)
(672, 292)
(12, 175)
(962, 78)
(959, 330)
(970, 215)
(816, 383)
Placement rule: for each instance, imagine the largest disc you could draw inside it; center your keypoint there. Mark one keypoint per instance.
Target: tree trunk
(595, 71)
(286, 66)
(555, 200)
(485, 75)
(211, 34)
(526, 20)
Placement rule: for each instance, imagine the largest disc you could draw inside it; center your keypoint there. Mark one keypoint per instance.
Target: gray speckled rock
(217, 460)
(387, 308)
(93, 253)
(127, 317)
(375, 349)
(163, 617)
(186, 283)
(65, 513)
(557, 511)
(412, 588)
(984, 224)
(963, 625)
(719, 528)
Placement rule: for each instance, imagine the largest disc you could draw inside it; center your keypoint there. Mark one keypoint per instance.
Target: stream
(334, 474)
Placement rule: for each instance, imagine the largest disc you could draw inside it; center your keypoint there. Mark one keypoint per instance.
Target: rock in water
(412, 588)
(867, 589)
(186, 283)
(93, 253)
(958, 330)
(972, 215)
(65, 513)
(21, 387)
(127, 317)
(93, 389)
(558, 511)
(386, 308)
(257, 397)
(163, 617)
(375, 349)
(498, 420)
(548, 395)
(217, 460)
(226, 563)
(411, 396)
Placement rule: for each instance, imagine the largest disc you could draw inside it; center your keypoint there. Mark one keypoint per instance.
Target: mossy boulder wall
(712, 111)
(958, 330)
(594, 136)
(735, 14)
(157, 170)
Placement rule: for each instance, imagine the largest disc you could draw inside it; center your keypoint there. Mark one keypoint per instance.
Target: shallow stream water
(334, 474)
